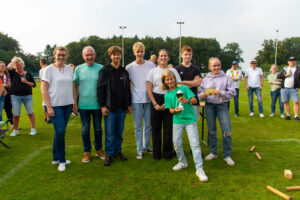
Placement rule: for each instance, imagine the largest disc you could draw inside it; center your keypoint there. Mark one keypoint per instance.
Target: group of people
(283, 85)
(163, 100)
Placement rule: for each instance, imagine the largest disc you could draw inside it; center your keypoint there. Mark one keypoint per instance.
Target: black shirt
(17, 87)
(189, 74)
(118, 90)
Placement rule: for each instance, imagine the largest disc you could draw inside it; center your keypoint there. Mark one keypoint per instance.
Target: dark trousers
(161, 120)
(8, 108)
(236, 101)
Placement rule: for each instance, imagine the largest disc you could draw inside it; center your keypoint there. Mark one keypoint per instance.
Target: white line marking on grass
(264, 107)
(27, 160)
(274, 140)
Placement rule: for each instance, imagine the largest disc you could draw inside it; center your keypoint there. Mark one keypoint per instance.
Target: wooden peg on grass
(292, 188)
(279, 193)
(258, 156)
(288, 174)
(252, 148)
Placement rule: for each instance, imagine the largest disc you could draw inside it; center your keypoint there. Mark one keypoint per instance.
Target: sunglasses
(253, 63)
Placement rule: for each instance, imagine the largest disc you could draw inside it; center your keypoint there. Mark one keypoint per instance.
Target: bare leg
(32, 120)
(16, 122)
(296, 108)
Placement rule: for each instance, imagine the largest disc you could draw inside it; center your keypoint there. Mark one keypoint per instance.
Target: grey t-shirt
(154, 76)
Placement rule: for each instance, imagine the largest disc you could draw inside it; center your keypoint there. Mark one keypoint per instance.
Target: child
(221, 91)
(185, 118)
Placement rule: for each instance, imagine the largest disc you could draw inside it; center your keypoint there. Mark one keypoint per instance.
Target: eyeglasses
(253, 63)
(217, 65)
(61, 55)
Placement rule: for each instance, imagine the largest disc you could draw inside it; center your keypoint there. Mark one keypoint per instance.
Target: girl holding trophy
(179, 100)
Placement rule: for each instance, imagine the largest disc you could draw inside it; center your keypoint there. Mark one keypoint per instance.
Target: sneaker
(148, 150)
(297, 119)
(237, 114)
(287, 117)
(62, 167)
(229, 161)
(139, 156)
(101, 154)
(180, 166)
(282, 115)
(261, 115)
(201, 174)
(14, 133)
(86, 157)
(251, 114)
(56, 162)
(32, 132)
(211, 156)
(272, 114)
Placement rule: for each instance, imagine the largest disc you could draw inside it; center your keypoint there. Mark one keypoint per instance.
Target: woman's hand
(203, 95)
(157, 107)
(129, 109)
(217, 92)
(50, 112)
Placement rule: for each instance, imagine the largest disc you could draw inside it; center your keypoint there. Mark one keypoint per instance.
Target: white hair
(88, 47)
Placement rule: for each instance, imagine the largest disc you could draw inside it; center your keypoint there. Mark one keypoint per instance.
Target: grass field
(27, 173)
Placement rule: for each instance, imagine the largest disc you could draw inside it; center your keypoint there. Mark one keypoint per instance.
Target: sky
(36, 23)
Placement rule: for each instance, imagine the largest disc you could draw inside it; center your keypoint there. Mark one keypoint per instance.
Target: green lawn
(27, 173)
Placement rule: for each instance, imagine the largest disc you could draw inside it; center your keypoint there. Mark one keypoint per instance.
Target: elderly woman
(275, 90)
(22, 83)
(57, 93)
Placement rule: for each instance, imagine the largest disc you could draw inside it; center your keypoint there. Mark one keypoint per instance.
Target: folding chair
(3, 132)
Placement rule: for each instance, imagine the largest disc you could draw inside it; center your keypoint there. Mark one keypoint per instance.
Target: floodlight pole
(122, 28)
(276, 44)
(180, 23)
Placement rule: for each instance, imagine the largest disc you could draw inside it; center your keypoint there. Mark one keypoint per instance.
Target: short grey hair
(88, 47)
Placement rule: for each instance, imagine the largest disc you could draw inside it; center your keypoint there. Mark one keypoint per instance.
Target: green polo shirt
(188, 114)
(272, 78)
(86, 77)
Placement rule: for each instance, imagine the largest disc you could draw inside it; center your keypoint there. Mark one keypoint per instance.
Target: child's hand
(204, 95)
(177, 110)
(183, 100)
(217, 92)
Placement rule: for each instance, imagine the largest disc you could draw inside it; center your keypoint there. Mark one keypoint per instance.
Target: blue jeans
(2, 101)
(140, 111)
(16, 102)
(274, 96)
(60, 121)
(85, 116)
(192, 132)
(259, 99)
(114, 127)
(212, 111)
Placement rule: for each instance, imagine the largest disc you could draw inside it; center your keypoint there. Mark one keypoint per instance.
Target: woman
(4, 84)
(275, 91)
(217, 89)
(176, 97)
(160, 117)
(57, 93)
(22, 83)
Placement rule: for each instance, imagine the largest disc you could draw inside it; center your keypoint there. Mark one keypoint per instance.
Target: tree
(231, 52)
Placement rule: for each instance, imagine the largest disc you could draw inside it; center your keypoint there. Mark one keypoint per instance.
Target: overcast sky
(35, 23)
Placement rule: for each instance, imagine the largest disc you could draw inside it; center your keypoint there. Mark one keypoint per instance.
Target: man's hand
(104, 111)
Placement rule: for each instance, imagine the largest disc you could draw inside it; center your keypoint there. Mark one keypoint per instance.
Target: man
(254, 80)
(85, 81)
(236, 75)
(138, 71)
(114, 98)
(290, 84)
(190, 75)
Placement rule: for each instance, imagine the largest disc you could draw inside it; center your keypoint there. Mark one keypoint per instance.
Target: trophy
(180, 94)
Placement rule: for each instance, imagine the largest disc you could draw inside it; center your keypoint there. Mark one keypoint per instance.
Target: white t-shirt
(236, 74)
(254, 77)
(289, 81)
(60, 85)
(41, 73)
(154, 76)
(138, 74)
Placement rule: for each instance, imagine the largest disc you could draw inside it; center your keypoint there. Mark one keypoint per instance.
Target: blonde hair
(138, 46)
(19, 60)
(165, 74)
(60, 48)
(272, 67)
(153, 56)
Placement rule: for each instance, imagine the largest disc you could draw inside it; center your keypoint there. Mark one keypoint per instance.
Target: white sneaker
(62, 167)
(261, 115)
(201, 174)
(272, 114)
(282, 115)
(56, 162)
(211, 156)
(14, 133)
(229, 161)
(251, 114)
(139, 156)
(180, 166)
(32, 132)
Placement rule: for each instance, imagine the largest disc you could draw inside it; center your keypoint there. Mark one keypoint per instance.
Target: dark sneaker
(287, 118)
(121, 156)
(297, 119)
(108, 161)
(149, 150)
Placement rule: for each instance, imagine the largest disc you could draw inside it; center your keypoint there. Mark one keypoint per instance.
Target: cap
(292, 58)
(252, 60)
(235, 62)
